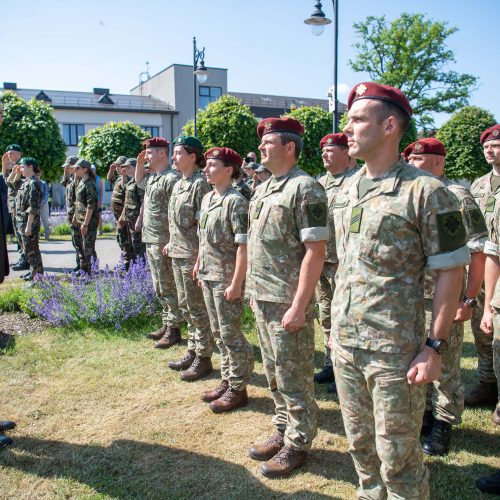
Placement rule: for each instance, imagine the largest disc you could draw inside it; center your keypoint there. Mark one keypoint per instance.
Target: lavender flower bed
(61, 217)
(106, 298)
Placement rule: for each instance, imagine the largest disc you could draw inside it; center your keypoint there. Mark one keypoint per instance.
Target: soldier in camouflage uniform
(28, 201)
(153, 220)
(70, 182)
(445, 396)
(134, 196)
(86, 216)
(486, 191)
(286, 251)
(117, 174)
(242, 187)
(183, 216)
(221, 268)
(391, 221)
(335, 157)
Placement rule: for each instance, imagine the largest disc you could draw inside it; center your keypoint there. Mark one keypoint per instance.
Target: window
(154, 131)
(208, 95)
(72, 132)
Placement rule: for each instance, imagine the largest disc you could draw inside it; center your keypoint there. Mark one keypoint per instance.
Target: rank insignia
(356, 215)
(490, 204)
(361, 89)
(216, 152)
(268, 125)
(495, 133)
(418, 147)
(203, 221)
(179, 140)
(329, 140)
(258, 209)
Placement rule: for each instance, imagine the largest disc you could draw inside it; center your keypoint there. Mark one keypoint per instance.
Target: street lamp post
(200, 74)
(318, 21)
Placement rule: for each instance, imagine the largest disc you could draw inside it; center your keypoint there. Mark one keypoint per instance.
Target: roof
(63, 99)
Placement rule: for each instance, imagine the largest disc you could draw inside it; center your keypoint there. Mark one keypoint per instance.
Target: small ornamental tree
(460, 135)
(227, 123)
(102, 145)
(32, 125)
(317, 123)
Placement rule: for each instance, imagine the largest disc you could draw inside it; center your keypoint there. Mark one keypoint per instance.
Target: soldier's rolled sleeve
(314, 234)
(239, 220)
(476, 245)
(491, 248)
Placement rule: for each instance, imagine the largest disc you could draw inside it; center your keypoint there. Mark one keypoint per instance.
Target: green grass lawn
(101, 416)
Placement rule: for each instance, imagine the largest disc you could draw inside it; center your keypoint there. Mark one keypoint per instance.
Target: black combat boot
(438, 441)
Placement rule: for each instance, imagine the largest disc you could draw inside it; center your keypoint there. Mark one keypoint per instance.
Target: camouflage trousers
(483, 344)
(445, 396)
(76, 237)
(324, 295)
(382, 417)
(30, 247)
(125, 244)
(192, 306)
(164, 284)
(496, 347)
(135, 239)
(19, 236)
(225, 321)
(288, 360)
(86, 248)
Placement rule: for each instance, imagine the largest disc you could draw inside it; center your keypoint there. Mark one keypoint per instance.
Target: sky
(264, 44)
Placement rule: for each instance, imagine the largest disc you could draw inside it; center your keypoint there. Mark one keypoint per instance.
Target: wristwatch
(439, 346)
(469, 302)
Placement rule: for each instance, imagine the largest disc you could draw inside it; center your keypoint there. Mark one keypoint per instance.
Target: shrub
(11, 299)
(61, 230)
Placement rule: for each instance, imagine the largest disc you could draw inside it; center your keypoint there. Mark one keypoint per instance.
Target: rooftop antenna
(144, 74)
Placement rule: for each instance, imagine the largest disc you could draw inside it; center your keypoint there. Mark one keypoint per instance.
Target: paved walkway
(60, 255)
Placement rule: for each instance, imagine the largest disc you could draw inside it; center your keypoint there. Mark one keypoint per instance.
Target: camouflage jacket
(70, 183)
(86, 197)
(332, 184)
(243, 189)
(183, 215)
(492, 247)
(157, 192)
(385, 240)
(118, 196)
(284, 213)
(134, 197)
(28, 200)
(487, 200)
(12, 189)
(223, 226)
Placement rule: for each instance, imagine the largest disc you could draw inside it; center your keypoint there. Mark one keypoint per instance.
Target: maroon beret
(333, 140)
(227, 155)
(490, 134)
(372, 90)
(427, 146)
(270, 125)
(156, 142)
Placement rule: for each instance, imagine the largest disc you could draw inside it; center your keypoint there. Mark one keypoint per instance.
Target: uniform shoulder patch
(243, 222)
(316, 214)
(451, 231)
(477, 222)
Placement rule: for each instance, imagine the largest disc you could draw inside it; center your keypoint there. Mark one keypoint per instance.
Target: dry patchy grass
(101, 416)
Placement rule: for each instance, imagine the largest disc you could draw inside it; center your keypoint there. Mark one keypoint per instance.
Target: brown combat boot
(158, 334)
(230, 400)
(200, 368)
(185, 362)
(216, 393)
(268, 449)
(284, 462)
(485, 393)
(172, 336)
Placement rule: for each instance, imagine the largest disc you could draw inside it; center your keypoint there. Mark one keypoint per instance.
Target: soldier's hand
(121, 222)
(232, 293)
(138, 226)
(165, 251)
(84, 230)
(27, 231)
(464, 313)
(141, 157)
(5, 159)
(487, 321)
(196, 269)
(293, 320)
(425, 367)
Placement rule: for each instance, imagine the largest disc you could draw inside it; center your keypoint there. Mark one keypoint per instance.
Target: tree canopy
(32, 125)
(410, 53)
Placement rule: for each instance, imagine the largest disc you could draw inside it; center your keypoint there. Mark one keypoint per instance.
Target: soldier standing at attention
(486, 191)
(391, 221)
(155, 234)
(221, 268)
(28, 201)
(183, 214)
(445, 396)
(117, 174)
(335, 155)
(70, 182)
(286, 251)
(86, 217)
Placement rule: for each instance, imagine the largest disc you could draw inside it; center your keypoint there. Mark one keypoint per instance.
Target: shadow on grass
(131, 469)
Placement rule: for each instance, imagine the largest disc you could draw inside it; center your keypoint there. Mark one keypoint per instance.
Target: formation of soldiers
(395, 253)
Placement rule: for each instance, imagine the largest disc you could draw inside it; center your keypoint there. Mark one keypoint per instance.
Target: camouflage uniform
(116, 206)
(86, 197)
(183, 215)
(384, 240)
(488, 201)
(285, 212)
(28, 201)
(326, 283)
(242, 187)
(445, 396)
(134, 197)
(155, 234)
(223, 226)
(71, 183)
(12, 189)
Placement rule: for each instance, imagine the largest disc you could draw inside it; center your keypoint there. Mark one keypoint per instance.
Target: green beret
(188, 140)
(28, 160)
(14, 147)
(120, 160)
(83, 163)
(70, 161)
(130, 161)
